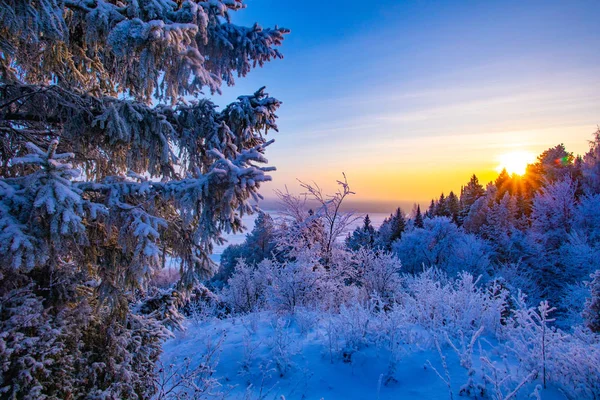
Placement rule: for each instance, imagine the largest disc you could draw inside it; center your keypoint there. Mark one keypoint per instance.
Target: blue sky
(411, 97)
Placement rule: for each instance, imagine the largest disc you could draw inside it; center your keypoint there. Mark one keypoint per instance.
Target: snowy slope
(266, 357)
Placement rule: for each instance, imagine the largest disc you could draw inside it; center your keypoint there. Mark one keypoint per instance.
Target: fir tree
(98, 185)
(391, 230)
(441, 208)
(468, 195)
(453, 207)
(552, 219)
(430, 213)
(471, 192)
(499, 227)
(419, 218)
(362, 237)
(260, 243)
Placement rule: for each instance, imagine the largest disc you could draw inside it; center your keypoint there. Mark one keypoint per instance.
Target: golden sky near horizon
(418, 169)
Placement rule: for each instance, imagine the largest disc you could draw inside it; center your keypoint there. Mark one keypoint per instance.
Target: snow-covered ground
(263, 356)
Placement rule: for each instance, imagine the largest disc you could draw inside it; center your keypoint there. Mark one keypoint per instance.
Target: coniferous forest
(119, 175)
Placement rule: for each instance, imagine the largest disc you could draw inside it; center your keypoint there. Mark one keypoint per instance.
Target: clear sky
(409, 98)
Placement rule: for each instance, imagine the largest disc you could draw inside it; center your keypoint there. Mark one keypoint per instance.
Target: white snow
(254, 345)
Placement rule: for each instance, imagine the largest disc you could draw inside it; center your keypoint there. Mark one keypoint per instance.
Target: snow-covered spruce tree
(469, 193)
(391, 229)
(591, 166)
(552, 220)
(110, 163)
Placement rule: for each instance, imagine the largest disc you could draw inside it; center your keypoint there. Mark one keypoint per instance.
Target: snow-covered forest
(114, 168)
(494, 292)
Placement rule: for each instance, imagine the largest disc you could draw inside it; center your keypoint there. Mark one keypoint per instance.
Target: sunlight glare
(515, 162)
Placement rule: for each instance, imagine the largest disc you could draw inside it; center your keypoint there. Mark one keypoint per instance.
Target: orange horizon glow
(417, 169)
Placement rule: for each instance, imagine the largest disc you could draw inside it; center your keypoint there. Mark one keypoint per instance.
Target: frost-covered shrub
(307, 319)
(295, 284)
(500, 381)
(533, 339)
(246, 290)
(425, 299)
(591, 313)
(202, 304)
(572, 305)
(442, 244)
(498, 305)
(439, 303)
(282, 346)
(576, 360)
(339, 283)
(518, 276)
(464, 349)
(378, 274)
(570, 361)
(352, 327)
(194, 377)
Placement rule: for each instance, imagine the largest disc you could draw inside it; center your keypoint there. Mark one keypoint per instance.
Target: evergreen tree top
(145, 49)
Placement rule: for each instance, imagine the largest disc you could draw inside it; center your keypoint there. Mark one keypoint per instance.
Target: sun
(515, 162)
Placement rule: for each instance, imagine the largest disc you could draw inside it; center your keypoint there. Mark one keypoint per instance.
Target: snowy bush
(193, 378)
(378, 274)
(303, 229)
(282, 346)
(576, 360)
(353, 327)
(572, 305)
(441, 304)
(339, 284)
(591, 313)
(295, 284)
(500, 383)
(464, 349)
(533, 339)
(201, 304)
(246, 290)
(442, 244)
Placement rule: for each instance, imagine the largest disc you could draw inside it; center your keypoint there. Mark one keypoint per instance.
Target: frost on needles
(111, 162)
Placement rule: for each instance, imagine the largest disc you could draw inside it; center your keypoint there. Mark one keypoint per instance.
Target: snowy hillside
(263, 356)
